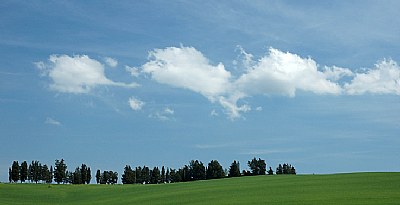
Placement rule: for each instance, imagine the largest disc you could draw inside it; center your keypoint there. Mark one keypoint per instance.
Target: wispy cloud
(52, 121)
(164, 115)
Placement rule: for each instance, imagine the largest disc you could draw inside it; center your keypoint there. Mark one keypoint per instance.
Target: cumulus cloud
(187, 68)
(276, 73)
(111, 62)
(52, 121)
(75, 74)
(284, 73)
(383, 79)
(135, 104)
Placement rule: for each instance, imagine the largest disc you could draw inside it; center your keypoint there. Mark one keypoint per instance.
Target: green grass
(357, 188)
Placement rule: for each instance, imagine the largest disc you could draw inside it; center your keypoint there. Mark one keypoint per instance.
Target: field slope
(356, 188)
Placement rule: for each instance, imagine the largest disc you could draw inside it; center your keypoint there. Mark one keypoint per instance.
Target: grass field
(356, 188)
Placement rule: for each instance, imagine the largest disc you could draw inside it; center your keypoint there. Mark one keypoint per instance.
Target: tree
(98, 176)
(45, 175)
(258, 167)
(9, 175)
(270, 172)
(168, 176)
(197, 170)
(50, 179)
(24, 171)
(234, 169)
(83, 173)
(129, 176)
(279, 169)
(155, 176)
(60, 171)
(15, 171)
(88, 176)
(214, 170)
(163, 178)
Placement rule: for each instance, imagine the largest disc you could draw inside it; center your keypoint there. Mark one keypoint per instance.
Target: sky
(158, 83)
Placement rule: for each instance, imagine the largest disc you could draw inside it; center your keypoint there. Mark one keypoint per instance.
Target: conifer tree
(24, 171)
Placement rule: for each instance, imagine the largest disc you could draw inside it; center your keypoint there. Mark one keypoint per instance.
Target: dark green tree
(83, 173)
(45, 175)
(98, 176)
(113, 177)
(214, 170)
(258, 167)
(129, 176)
(9, 175)
(163, 177)
(24, 171)
(155, 176)
(234, 169)
(168, 176)
(15, 171)
(197, 170)
(60, 171)
(88, 175)
(77, 176)
(270, 172)
(279, 169)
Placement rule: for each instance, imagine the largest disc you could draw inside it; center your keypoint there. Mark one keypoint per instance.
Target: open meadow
(355, 188)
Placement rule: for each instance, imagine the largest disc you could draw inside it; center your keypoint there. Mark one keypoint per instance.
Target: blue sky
(312, 83)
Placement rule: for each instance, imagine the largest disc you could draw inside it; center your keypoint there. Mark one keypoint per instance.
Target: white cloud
(187, 68)
(276, 73)
(111, 62)
(259, 108)
(383, 79)
(76, 74)
(133, 71)
(284, 73)
(135, 104)
(52, 121)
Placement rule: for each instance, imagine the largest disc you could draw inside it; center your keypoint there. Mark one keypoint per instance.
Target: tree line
(195, 170)
(36, 172)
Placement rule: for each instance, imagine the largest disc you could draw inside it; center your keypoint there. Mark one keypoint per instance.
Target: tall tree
(88, 176)
(9, 175)
(98, 176)
(15, 171)
(45, 174)
(129, 176)
(167, 176)
(60, 171)
(51, 175)
(24, 171)
(214, 170)
(83, 173)
(155, 176)
(234, 169)
(163, 178)
(77, 176)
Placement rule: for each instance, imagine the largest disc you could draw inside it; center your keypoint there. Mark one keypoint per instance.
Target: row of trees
(36, 172)
(195, 170)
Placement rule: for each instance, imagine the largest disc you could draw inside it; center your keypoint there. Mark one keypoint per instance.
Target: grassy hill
(356, 188)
